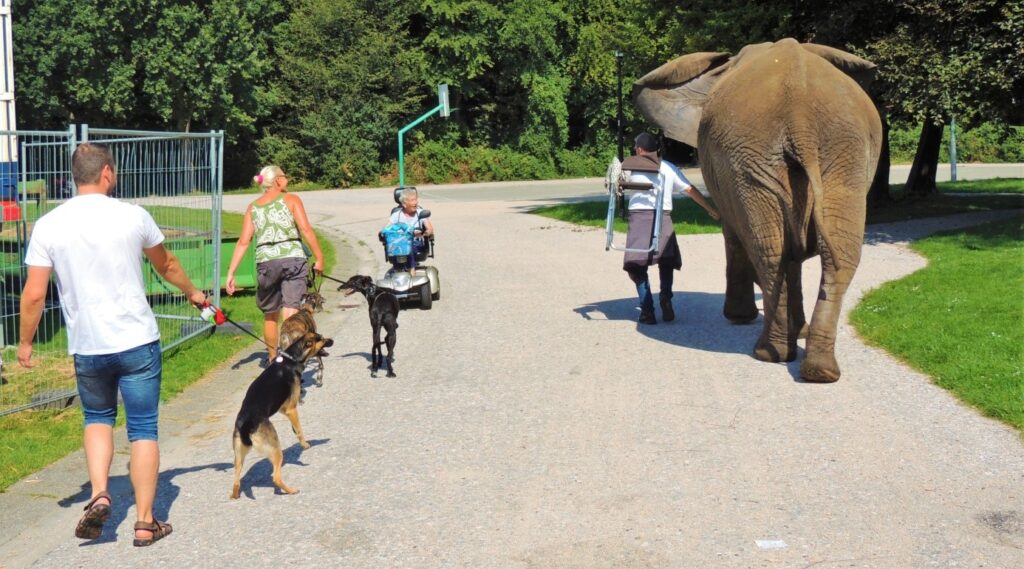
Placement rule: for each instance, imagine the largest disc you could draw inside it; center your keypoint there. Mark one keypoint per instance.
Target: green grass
(994, 185)
(690, 218)
(687, 217)
(961, 319)
(945, 203)
(31, 440)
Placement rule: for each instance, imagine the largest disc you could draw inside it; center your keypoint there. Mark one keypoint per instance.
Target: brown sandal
(159, 530)
(91, 524)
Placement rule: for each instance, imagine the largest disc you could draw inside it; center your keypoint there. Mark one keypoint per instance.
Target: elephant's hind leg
(837, 269)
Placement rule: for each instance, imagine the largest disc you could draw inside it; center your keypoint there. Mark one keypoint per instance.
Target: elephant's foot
(820, 367)
(774, 353)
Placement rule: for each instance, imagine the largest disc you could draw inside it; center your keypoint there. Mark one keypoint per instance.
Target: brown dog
(276, 390)
(298, 324)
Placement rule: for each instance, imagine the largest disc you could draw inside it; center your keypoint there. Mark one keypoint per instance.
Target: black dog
(277, 389)
(383, 313)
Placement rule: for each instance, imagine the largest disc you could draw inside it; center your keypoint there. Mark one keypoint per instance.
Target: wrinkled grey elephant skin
(788, 140)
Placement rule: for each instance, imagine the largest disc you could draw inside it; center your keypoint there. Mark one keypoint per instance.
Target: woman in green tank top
(277, 220)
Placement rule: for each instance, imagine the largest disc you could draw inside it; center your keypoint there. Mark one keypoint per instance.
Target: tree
(506, 61)
(162, 64)
(349, 76)
(947, 58)
(74, 63)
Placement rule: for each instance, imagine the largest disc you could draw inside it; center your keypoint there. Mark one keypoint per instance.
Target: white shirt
(94, 245)
(401, 217)
(668, 177)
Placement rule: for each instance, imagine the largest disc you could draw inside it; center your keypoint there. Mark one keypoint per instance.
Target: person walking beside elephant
(276, 219)
(646, 166)
(789, 141)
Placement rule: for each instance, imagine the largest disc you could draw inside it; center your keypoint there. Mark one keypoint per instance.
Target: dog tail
(244, 430)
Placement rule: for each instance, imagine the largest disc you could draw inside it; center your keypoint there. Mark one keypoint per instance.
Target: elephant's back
(782, 92)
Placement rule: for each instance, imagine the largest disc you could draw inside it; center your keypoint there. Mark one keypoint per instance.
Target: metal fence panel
(177, 177)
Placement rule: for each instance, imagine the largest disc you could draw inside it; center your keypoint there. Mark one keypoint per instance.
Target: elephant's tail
(808, 223)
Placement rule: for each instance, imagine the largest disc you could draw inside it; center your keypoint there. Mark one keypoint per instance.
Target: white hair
(267, 176)
(406, 194)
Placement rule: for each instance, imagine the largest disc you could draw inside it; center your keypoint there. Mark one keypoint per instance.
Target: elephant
(788, 141)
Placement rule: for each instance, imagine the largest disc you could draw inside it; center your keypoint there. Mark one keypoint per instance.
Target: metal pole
(216, 163)
(618, 118)
(401, 146)
(952, 149)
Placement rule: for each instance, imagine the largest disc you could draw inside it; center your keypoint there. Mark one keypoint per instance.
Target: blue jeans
(418, 245)
(643, 286)
(137, 372)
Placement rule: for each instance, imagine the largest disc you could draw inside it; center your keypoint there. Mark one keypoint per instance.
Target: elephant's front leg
(740, 307)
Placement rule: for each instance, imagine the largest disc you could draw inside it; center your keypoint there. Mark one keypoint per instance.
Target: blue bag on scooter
(398, 239)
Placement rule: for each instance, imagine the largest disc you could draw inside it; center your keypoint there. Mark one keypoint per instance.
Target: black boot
(667, 314)
(647, 318)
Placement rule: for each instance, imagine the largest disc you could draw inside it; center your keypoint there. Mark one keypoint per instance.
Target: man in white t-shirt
(646, 166)
(93, 244)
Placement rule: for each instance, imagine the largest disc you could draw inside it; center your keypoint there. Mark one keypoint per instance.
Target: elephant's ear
(673, 95)
(860, 70)
(682, 70)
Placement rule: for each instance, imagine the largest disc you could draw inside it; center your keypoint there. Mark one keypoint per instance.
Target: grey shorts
(281, 283)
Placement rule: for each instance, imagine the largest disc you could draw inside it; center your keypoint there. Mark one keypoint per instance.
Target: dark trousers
(643, 286)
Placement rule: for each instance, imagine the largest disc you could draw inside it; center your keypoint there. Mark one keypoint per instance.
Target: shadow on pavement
(253, 357)
(699, 323)
(262, 471)
(123, 499)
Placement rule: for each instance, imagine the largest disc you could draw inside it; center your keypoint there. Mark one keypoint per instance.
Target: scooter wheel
(425, 299)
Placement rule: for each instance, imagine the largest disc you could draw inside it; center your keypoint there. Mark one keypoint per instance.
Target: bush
(439, 162)
(284, 152)
(581, 163)
(989, 142)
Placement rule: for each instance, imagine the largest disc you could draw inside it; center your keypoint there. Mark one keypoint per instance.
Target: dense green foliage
(988, 142)
(322, 86)
(972, 340)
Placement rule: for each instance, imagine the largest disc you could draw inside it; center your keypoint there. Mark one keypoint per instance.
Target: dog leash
(330, 278)
(216, 316)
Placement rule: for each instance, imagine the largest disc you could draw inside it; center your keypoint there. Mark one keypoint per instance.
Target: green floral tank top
(277, 236)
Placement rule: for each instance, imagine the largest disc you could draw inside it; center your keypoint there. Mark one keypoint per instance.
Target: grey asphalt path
(590, 188)
(533, 424)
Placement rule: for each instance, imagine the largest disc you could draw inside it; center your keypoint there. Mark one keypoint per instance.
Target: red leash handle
(212, 314)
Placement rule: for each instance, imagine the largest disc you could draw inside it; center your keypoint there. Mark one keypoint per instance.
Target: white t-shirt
(668, 176)
(401, 217)
(94, 245)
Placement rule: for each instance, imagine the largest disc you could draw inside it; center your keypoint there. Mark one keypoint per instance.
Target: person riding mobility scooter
(408, 242)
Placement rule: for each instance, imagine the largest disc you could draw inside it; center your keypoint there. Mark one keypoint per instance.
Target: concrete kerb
(40, 511)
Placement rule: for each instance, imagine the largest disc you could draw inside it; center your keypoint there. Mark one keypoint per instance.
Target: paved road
(589, 188)
(533, 424)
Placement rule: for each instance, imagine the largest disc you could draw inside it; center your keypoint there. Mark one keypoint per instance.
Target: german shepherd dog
(277, 389)
(296, 325)
(384, 309)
